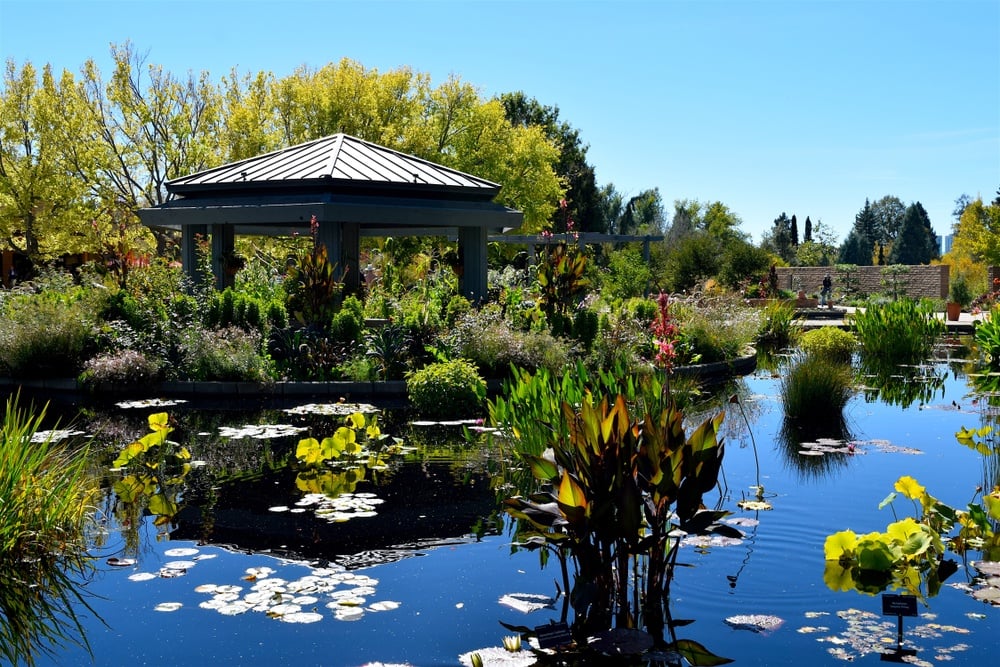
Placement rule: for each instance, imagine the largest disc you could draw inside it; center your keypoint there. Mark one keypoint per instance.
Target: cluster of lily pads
(343, 507)
(346, 594)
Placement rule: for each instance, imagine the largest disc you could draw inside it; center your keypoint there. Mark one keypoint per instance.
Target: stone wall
(918, 281)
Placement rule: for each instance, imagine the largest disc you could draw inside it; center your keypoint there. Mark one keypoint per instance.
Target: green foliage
(742, 260)
(45, 334)
(899, 332)
(230, 354)
(642, 310)
(628, 274)
(561, 279)
(346, 326)
(830, 343)
(248, 312)
(49, 499)
(613, 479)
(489, 341)
(585, 327)
(388, 348)
(894, 280)
(987, 337)
(446, 389)
(713, 329)
(312, 288)
(458, 306)
(910, 553)
(358, 439)
(959, 291)
(816, 390)
(695, 258)
(778, 328)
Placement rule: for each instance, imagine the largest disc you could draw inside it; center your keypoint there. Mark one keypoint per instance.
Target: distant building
(945, 242)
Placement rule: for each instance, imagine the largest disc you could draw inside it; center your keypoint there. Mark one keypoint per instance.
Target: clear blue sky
(802, 106)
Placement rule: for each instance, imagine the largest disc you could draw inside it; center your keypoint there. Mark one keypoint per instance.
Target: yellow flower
(910, 488)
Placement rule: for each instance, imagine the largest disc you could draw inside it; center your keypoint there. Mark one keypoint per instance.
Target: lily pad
(527, 602)
(168, 606)
(755, 622)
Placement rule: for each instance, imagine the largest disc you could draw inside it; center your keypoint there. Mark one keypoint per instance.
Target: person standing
(826, 292)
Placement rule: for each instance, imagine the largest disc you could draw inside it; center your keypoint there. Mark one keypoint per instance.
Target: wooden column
(189, 250)
(223, 244)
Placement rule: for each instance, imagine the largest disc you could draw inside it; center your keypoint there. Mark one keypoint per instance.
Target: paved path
(817, 317)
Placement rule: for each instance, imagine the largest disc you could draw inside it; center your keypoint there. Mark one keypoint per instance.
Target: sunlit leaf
(356, 420)
(698, 655)
(910, 488)
(838, 577)
(159, 421)
(840, 546)
(571, 493)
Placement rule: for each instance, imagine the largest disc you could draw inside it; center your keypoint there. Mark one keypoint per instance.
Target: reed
(898, 332)
(817, 390)
(47, 498)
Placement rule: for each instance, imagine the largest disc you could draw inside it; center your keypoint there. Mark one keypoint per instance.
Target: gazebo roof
(340, 179)
(336, 161)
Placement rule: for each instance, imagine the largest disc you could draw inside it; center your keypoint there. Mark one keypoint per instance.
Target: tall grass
(817, 390)
(898, 332)
(46, 500)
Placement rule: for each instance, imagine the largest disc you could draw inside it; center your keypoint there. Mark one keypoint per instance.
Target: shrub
(44, 335)
(346, 326)
(714, 329)
(627, 274)
(121, 368)
(828, 343)
(487, 340)
(585, 326)
(229, 354)
(446, 389)
(817, 390)
(777, 327)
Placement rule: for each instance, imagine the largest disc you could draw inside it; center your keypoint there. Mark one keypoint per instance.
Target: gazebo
(354, 188)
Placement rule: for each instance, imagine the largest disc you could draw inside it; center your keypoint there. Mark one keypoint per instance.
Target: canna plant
(618, 486)
(561, 280)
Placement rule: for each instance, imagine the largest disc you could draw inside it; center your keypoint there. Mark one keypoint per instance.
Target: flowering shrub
(664, 334)
(124, 367)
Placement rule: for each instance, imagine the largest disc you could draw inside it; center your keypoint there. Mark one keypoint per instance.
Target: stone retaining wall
(918, 281)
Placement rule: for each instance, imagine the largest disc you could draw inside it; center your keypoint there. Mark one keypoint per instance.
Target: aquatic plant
(778, 328)
(617, 482)
(898, 332)
(987, 337)
(910, 553)
(816, 390)
(48, 498)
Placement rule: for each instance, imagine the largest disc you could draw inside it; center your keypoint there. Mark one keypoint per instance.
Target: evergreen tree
(855, 250)
(779, 239)
(916, 242)
(862, 236)
(795, 231)
(809, 231)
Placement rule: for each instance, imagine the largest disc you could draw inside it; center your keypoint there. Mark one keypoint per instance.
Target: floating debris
(180, 552)
(755, 622)
(527, 602)
(55, 435)
(168, 606)
(754, 505)
(261, 431)
(121, 562)
(332, 409)
(150, 403)
(709, 541)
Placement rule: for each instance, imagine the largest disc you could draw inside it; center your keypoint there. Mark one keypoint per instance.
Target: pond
(245, 564)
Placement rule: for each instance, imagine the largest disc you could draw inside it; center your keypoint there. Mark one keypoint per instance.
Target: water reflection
(901, 385)
(815, 450)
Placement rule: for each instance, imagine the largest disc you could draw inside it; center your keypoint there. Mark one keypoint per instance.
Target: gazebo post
(472, 243)
(189, 250)
(223, 244)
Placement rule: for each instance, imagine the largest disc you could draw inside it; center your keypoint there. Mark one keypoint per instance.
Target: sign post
(899, 606)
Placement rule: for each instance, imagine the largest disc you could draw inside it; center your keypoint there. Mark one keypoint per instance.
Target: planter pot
(953, 310)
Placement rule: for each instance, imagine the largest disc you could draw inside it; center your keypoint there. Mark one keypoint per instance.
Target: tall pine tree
(808, 237)
(916, 242)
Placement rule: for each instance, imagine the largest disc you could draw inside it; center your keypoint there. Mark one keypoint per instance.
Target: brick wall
(918, 281)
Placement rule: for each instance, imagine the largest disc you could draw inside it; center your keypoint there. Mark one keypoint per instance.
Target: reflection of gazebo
(353, 187)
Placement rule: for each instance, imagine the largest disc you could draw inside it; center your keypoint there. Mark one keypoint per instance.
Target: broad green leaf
(838, 577)
(162, 506)
(903, 529)
(542, 468)
(992, 505)
(887, 500)
(356, 420)
(874, 553)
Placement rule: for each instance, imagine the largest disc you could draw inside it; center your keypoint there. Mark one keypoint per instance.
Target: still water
(426, 565)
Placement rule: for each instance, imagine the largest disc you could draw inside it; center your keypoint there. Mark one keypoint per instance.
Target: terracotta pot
(953, 309)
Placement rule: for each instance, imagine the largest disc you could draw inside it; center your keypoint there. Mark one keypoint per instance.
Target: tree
(888, 218)
(859, 245)
(961, 203)
(779, 239)
(609, 207)
(643, 214)
(582, 194)
(820, 250)
(795, 231)
(722, 223)
(809, 230)
(916, 241)
(978, 232)
(40, 208)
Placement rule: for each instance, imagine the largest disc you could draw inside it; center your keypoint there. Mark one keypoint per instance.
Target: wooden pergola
(354, 188)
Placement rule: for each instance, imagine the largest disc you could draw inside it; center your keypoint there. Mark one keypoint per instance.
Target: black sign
(899, 605)
(552, 635)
